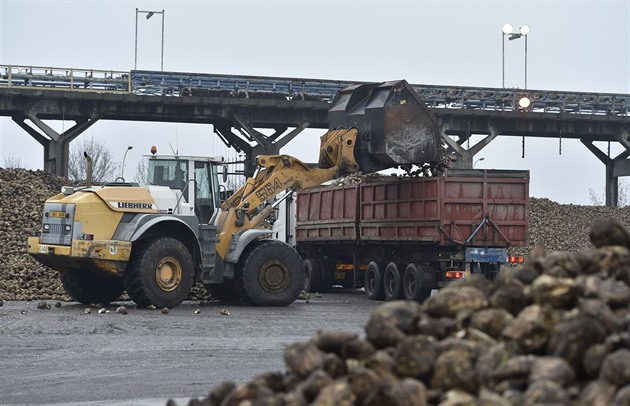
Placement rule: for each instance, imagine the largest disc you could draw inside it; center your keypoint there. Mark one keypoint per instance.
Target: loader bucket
(395, 126)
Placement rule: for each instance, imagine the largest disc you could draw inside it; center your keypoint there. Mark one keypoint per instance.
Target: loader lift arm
(250, 205)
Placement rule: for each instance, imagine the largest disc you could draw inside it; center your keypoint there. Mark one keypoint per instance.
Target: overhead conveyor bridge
(238, 106)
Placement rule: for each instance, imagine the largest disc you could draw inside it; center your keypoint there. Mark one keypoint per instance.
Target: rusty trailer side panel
(487, 208)
(327, 214)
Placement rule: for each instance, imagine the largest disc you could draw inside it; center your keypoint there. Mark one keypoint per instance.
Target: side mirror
(225, 173)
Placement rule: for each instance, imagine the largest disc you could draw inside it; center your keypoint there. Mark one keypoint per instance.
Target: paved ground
(63, 356)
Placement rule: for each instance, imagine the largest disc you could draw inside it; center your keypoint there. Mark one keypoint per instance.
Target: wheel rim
(168, 274)
(411, 285)
(274, 276)
(370, 285)
(307, 278)
(389, 283)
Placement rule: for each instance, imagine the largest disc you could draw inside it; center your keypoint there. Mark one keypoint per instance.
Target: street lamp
(149, 14)
(480, 159)
(507, 29)
(122, 171)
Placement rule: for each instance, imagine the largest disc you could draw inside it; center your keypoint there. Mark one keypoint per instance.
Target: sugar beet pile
(553, 332)
(22, 195)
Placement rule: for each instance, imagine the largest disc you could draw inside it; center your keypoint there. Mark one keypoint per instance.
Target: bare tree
(594, 198)
(142, 170)
(104, 168)
(13, 162)
(623, 196)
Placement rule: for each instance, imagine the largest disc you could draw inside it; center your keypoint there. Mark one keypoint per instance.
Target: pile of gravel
(553, 332)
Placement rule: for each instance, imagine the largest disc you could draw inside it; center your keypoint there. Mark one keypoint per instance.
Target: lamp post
(122, 171)
(480, 159)
(507, 30)
(149, 14)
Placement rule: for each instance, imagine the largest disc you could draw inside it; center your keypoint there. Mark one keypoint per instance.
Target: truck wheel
(270, 273)
(412, 284)
(224, 292)
(374, 281)
(328, 275)
(160, 273)
(87, 287)
(392, 282)
(313, 275)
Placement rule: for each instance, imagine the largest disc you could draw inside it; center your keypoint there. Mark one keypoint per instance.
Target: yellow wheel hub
(168, 274)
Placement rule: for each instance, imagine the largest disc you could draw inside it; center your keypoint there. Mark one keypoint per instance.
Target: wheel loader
(156, 241)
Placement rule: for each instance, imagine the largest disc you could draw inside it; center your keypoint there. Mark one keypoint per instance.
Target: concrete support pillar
(465, 157)
(615, 167)
(56, 145)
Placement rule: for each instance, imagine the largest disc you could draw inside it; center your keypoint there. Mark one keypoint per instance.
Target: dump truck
(156, 241)
(403, 237)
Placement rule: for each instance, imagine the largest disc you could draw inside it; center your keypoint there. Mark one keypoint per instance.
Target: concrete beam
(615, 167)
(466, 156)
(57, 146)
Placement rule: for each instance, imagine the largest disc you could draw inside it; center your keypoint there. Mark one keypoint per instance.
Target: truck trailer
(402, 237)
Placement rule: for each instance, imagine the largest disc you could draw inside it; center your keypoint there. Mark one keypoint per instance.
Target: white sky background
(572, 46)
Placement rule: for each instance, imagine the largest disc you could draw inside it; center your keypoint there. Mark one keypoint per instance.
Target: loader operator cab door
(206, 195)
(196, 177)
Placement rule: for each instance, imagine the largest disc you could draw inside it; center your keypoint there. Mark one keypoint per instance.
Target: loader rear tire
(392, 282)
(374, 281)
(313, 275)
(90, 288)
(270, 273)
(160, 273)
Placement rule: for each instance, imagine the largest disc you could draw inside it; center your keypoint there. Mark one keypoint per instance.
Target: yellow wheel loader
(156, 241)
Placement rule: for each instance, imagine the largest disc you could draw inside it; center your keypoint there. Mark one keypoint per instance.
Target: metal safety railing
(293, 89)
(16, 76)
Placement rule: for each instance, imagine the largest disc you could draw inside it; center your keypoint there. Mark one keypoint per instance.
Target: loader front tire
(270, 273)
(90, 288)
(160, 273)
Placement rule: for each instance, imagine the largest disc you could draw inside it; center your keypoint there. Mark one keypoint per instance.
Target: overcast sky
(572, 45)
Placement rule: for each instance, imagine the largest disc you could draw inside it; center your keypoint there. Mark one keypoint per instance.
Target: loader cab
(197, 178)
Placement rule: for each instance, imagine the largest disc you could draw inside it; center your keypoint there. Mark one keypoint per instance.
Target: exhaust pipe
(88, 171)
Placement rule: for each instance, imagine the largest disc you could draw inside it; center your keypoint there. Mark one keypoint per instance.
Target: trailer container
(403, 237)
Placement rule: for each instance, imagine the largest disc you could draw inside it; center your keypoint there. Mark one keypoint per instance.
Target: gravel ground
(62, 356)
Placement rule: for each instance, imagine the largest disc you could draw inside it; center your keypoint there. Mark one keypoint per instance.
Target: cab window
(171, 173)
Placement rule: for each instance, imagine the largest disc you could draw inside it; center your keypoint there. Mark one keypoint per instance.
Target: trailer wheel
(328, 275)
(160, 273)
(313, 275)
(87, 287)
(270, 273)
(374, 281)
(392, 282)
(412, 283)
(225, 292)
